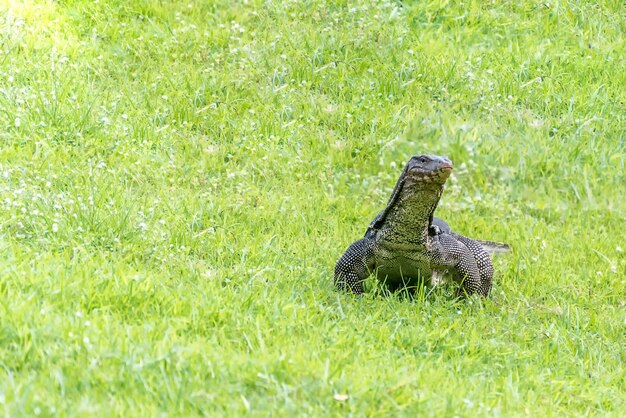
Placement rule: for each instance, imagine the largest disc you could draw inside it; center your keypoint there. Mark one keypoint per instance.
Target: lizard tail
(494, 247)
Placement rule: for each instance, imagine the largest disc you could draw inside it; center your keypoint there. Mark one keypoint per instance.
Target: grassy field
(178, 179)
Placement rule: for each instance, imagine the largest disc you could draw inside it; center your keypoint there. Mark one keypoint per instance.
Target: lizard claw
(434, 230)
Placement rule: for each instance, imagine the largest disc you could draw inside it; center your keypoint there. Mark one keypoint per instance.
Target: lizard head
(428, 169)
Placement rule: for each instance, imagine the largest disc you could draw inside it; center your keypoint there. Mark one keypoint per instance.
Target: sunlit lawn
(178, 179)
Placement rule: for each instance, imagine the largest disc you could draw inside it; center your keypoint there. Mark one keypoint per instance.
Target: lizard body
(405, 242)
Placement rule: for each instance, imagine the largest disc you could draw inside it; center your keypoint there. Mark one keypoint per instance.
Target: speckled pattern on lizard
(405, 243)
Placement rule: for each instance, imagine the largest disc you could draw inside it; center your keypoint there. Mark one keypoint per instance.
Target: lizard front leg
(447, 251)
(354, 266)
(483, 262)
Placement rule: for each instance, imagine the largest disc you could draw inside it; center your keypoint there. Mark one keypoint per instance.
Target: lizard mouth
(444, 166)
(439, 176)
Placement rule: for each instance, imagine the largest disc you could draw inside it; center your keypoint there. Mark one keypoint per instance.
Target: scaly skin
(405, 243)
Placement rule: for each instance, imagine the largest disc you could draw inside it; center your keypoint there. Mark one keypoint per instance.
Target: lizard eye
(422, 159)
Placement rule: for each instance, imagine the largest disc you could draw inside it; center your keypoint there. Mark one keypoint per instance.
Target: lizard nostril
(446, 163)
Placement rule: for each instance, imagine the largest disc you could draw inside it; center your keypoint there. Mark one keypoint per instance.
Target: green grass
(177, 181)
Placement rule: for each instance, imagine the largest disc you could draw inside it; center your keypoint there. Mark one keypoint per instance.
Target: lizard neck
(411, 215)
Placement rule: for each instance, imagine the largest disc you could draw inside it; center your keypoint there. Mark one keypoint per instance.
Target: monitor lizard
(405, 243)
